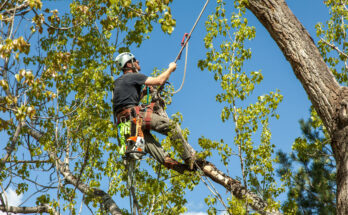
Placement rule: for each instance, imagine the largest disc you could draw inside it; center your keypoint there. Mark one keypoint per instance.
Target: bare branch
(3, 4)
(11, 147)
(19, 8)
(26, 161)
(57, 28)
(28, 210)
(334, 47)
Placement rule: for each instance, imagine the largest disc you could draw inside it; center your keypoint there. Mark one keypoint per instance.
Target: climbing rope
(185, 44)
(193, 28)
(184, 77)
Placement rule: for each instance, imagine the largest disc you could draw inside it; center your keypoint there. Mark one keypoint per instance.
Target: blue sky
(196, 101)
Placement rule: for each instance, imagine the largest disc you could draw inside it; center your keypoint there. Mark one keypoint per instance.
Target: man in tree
(126, 97)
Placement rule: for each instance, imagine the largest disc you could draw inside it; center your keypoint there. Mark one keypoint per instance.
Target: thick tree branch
(232, 185)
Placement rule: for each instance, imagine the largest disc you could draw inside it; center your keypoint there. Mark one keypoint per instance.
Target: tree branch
(334, 47)
(3, 4)
(21, 7)
(11, 147)
(28, 161)
(28, 210)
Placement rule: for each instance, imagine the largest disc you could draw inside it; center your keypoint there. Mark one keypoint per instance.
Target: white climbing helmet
(123, 58)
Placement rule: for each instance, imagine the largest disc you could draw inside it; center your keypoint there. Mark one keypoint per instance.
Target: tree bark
(329, 99)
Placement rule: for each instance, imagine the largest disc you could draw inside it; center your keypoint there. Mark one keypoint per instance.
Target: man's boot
(170, 163)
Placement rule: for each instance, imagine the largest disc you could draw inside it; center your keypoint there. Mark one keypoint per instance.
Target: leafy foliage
(312, 186)
(225, 57)
(54, 81)
(333, 43)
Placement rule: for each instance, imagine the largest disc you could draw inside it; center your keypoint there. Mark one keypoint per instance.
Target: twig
(10, 149)
(3, 4)
(32, 161)
(34, 182)
(153, 201)
(57, 28)
(83, 198)
(29, 197)
(13, 10)
(215, 192)
(334, 47)
(65, 115)
(3, 195)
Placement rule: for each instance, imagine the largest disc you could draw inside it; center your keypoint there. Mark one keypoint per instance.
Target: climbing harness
(132, 143)
(129, 122)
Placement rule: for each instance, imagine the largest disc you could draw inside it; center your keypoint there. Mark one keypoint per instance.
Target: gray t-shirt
(127, 90)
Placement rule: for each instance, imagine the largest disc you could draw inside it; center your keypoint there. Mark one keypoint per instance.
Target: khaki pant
(163, 125)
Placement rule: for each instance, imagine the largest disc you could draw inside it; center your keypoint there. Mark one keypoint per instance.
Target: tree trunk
(329, 99)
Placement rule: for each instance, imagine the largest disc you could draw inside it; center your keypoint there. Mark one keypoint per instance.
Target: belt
(124, 114)
(123, 108)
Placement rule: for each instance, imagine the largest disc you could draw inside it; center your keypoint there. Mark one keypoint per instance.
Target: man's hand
(162, 78)
(172, 66)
